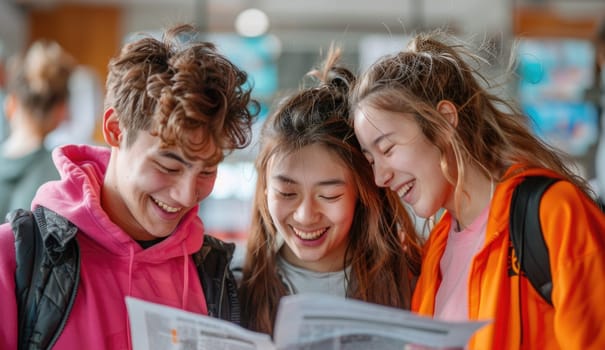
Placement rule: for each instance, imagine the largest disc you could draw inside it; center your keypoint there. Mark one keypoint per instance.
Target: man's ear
(111, 128)
(448, 110)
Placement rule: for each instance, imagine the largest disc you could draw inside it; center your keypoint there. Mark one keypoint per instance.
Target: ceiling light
(252, 22)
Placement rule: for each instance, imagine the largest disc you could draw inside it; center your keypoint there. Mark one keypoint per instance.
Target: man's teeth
(166, 207)
(402, 191)
(309, 235)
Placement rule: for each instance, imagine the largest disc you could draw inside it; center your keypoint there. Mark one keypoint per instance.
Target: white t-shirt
(306, 281)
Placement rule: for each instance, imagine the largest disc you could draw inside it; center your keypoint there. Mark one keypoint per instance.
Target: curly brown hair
(179, 84)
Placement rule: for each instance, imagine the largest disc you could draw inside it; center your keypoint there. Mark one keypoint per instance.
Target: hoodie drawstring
(185, 295)
(130, 265)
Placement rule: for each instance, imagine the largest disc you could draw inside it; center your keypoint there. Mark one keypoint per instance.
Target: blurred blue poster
(554, 76)
(256, 55)
(569, 126)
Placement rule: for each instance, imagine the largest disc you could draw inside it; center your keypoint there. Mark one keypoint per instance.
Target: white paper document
(304, 322)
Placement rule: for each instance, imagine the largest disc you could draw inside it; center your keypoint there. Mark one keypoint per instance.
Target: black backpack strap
(28, 243)
(526, 233)
(219, 285)
(46, 276)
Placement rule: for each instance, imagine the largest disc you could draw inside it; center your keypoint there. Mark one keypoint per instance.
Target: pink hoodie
(112, 264)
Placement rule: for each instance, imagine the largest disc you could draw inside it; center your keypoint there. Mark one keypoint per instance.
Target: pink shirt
(451, 302)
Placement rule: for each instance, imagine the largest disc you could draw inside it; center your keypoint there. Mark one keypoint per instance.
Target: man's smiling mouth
(165, 206)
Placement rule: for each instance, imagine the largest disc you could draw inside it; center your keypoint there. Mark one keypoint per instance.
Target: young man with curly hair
(174, 108)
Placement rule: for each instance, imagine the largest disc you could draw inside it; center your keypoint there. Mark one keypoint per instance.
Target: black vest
(47, 275)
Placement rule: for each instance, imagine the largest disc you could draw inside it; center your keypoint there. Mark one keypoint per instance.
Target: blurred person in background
(85, 110)
(36, 103)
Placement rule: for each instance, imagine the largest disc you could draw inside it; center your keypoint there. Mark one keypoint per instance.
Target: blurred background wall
(282, 41)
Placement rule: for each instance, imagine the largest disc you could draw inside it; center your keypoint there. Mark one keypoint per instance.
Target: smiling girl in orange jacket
(436, 136)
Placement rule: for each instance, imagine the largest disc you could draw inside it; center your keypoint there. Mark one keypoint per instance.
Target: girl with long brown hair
(437, 137)
(319, 223)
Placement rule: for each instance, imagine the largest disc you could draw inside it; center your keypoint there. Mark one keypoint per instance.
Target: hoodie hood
(77, 197)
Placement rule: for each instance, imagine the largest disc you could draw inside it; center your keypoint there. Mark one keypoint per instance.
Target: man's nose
(186, 192)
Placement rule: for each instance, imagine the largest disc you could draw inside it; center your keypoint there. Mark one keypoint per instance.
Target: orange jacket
(574, 231)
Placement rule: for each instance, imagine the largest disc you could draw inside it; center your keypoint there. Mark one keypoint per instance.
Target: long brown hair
(491, 133)
(383, 249)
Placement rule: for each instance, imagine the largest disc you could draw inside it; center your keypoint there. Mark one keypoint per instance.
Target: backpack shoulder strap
(47, 274)
(28, 243)
(526, 233)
